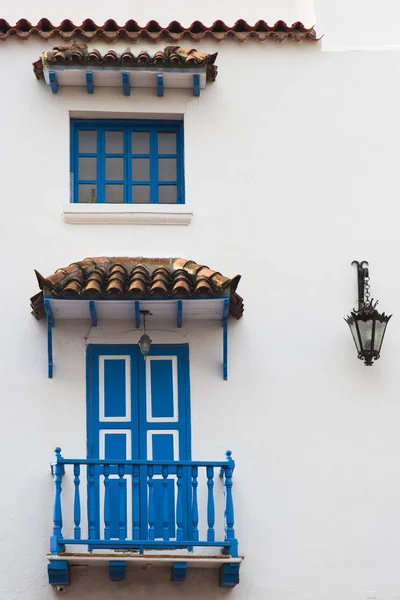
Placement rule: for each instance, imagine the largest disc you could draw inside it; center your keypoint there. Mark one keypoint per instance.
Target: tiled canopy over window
(172, 67)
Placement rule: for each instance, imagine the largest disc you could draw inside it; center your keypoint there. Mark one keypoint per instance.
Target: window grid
(129, 181)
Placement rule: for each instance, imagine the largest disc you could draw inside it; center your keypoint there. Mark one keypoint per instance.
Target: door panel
(138, 408)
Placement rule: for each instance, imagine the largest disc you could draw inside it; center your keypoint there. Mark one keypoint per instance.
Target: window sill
(127, 214)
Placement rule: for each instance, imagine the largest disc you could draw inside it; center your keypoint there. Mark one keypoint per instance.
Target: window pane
(87, 168)
(167, 143)
(167, 169)
(140, 194)
(167, 194)
(140, 169)
(88, 141)
(114, 168)
(87, 192)
(140, 142)
(114, 142)
(115, 193)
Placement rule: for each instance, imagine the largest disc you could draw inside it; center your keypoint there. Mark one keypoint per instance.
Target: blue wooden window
(127, 162)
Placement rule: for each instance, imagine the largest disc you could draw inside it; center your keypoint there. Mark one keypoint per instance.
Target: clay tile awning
(75, 65)
(171, 289)
(146, 279)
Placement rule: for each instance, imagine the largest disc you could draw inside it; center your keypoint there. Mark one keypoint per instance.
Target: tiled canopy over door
(138, 409)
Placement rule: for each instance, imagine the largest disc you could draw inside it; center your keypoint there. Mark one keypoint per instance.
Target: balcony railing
(142, 504)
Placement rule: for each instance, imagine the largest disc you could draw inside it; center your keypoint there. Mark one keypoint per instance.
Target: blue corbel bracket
(137, 314)
(179, 314)
(229, 575)
(196, 85)
(50, 325)
(53, 82)
(179, 570)
(160, 86)
(89, 82)
(93, 314)
(225, 339)
(126, 86)
(58, 572)
(117, 570)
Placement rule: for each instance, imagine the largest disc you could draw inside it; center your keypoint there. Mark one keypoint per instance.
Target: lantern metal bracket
(362, 273)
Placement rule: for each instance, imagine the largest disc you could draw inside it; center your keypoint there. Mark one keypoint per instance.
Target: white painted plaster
(291, 169)
(106, 214)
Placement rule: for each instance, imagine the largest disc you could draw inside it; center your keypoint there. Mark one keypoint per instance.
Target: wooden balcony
(141, 512)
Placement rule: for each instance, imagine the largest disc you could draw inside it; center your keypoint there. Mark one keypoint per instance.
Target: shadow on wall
(144, 583)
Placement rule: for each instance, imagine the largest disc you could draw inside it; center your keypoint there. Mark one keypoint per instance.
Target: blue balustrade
(144, 504)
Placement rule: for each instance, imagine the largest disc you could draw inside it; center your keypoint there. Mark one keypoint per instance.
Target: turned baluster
(77, 503)
(195, 509)
(107, 517)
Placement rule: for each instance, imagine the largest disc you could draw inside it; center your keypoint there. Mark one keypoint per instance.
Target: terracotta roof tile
(153, 31)
(171, 57)
(125, 277)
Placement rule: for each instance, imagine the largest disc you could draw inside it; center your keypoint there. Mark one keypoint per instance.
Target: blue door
(138, 408)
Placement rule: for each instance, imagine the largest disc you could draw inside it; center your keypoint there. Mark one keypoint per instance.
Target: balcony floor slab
(146, 559)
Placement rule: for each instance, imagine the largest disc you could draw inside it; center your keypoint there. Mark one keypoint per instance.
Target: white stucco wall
(291, 164)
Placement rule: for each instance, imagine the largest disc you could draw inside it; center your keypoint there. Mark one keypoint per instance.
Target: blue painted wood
(136, 503)
(210, 504)
(229, 512)
(89, 82)
(117, 570)
(122, 503)
(165, 503)
(115, 392)
(196, 85)
(229, 575)
(127, 127)
(195, 510)
(91, 501)
(58, 572)
(126, 86)
(179, 570)
(106, 471)
(179, 503)
(56, 544)
(99, 543)
(137, 314)
(50, 325)
(77, 503)
(93, 314)
(160, 85)
(162, 444)
(150, 483)
(179, 317)
(225, 339)
(162, 397)
(53, 82)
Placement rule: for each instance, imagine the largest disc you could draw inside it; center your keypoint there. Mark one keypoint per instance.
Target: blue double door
(137, 409)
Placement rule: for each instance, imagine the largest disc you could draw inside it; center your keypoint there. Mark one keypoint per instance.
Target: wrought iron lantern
(145, 341)
(367, 325)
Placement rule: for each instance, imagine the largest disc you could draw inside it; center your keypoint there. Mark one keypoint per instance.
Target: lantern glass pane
(365, 329)
(380, 329)
(353, 330)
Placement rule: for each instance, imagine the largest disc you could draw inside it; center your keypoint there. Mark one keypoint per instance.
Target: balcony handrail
(58, 542)
(58, 459)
